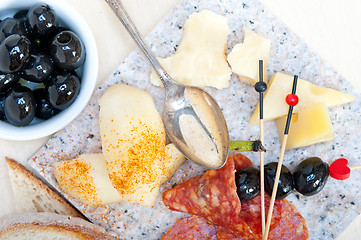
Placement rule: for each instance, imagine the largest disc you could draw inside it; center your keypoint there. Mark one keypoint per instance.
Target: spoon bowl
(192, 118)
(196, 126)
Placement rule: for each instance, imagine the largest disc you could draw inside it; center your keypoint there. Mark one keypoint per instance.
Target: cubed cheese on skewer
(309, 126)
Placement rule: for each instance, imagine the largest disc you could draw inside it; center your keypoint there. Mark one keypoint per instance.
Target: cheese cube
(309, 126)
(280, 85)
(200, 58)
(244, 57)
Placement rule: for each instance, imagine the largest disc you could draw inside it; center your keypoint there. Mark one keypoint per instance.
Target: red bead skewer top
(292, 99)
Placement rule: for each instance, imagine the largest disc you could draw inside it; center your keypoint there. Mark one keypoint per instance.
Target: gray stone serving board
(327, 214)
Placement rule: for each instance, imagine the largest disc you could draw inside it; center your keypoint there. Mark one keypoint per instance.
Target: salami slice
(287, 222)
(192, 228)
(198, 228)
(213, 196)
(225, 234)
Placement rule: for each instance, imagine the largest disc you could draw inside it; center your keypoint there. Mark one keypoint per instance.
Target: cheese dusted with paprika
(173, 159)
(133, 142)
(86, 179)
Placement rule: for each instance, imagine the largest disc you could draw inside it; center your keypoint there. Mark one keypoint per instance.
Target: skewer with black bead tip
(261, 87)
(292, 100)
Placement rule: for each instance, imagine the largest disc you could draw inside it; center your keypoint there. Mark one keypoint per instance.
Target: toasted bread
(43, 226)
(32, 195)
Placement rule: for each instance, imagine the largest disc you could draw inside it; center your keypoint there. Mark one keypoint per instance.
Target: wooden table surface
(328, 26)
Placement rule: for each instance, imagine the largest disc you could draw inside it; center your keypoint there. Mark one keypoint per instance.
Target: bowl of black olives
(48, 67)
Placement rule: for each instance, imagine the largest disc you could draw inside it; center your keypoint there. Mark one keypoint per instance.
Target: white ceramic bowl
(70, 18)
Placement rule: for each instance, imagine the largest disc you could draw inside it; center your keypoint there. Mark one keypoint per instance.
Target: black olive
(10, 26)
(62, 89)
(14, 51)
(44, 110)
(247, 182)
(310, 176)
(27, 42)
(21, 14)
(38, 68)
(20, 106)
(8, 80)
(45, 42)
(67, 50)
(285, 183)
(42, 20)
(2, 106)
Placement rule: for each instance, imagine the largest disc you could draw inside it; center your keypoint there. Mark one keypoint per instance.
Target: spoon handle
(123, 16)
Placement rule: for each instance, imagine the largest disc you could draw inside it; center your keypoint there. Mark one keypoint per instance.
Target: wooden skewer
(273, 198)
(279, 165)
(263, 213)
(261, 87)
(355, 167)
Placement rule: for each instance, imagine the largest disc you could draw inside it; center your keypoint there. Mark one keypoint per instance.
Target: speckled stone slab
(327, 214)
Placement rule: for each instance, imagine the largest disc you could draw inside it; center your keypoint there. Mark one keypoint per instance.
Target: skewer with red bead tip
(292, 101)
(261, 87)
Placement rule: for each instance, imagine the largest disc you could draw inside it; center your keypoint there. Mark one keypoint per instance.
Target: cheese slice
(244, 57)
(280, 85)
(309, 126)
(133, 142)
(86, 179)
(200, 58)
(173, 159)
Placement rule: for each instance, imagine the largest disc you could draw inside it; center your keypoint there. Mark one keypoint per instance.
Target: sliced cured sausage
(287, 223)
(213, 196)
(198, 228)
(191, 228)
(225, 234)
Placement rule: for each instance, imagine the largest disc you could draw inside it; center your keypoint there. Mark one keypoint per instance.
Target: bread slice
(44, 226)
(32, 195)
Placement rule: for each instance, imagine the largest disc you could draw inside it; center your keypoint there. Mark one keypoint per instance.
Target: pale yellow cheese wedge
(244, 57)
(309, 126)
(280, 86)
(86, 179)
(200, 58)
(173, 159)
(133, 141)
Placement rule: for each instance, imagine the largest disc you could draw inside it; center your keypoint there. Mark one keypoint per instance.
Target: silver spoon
(192, 118)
